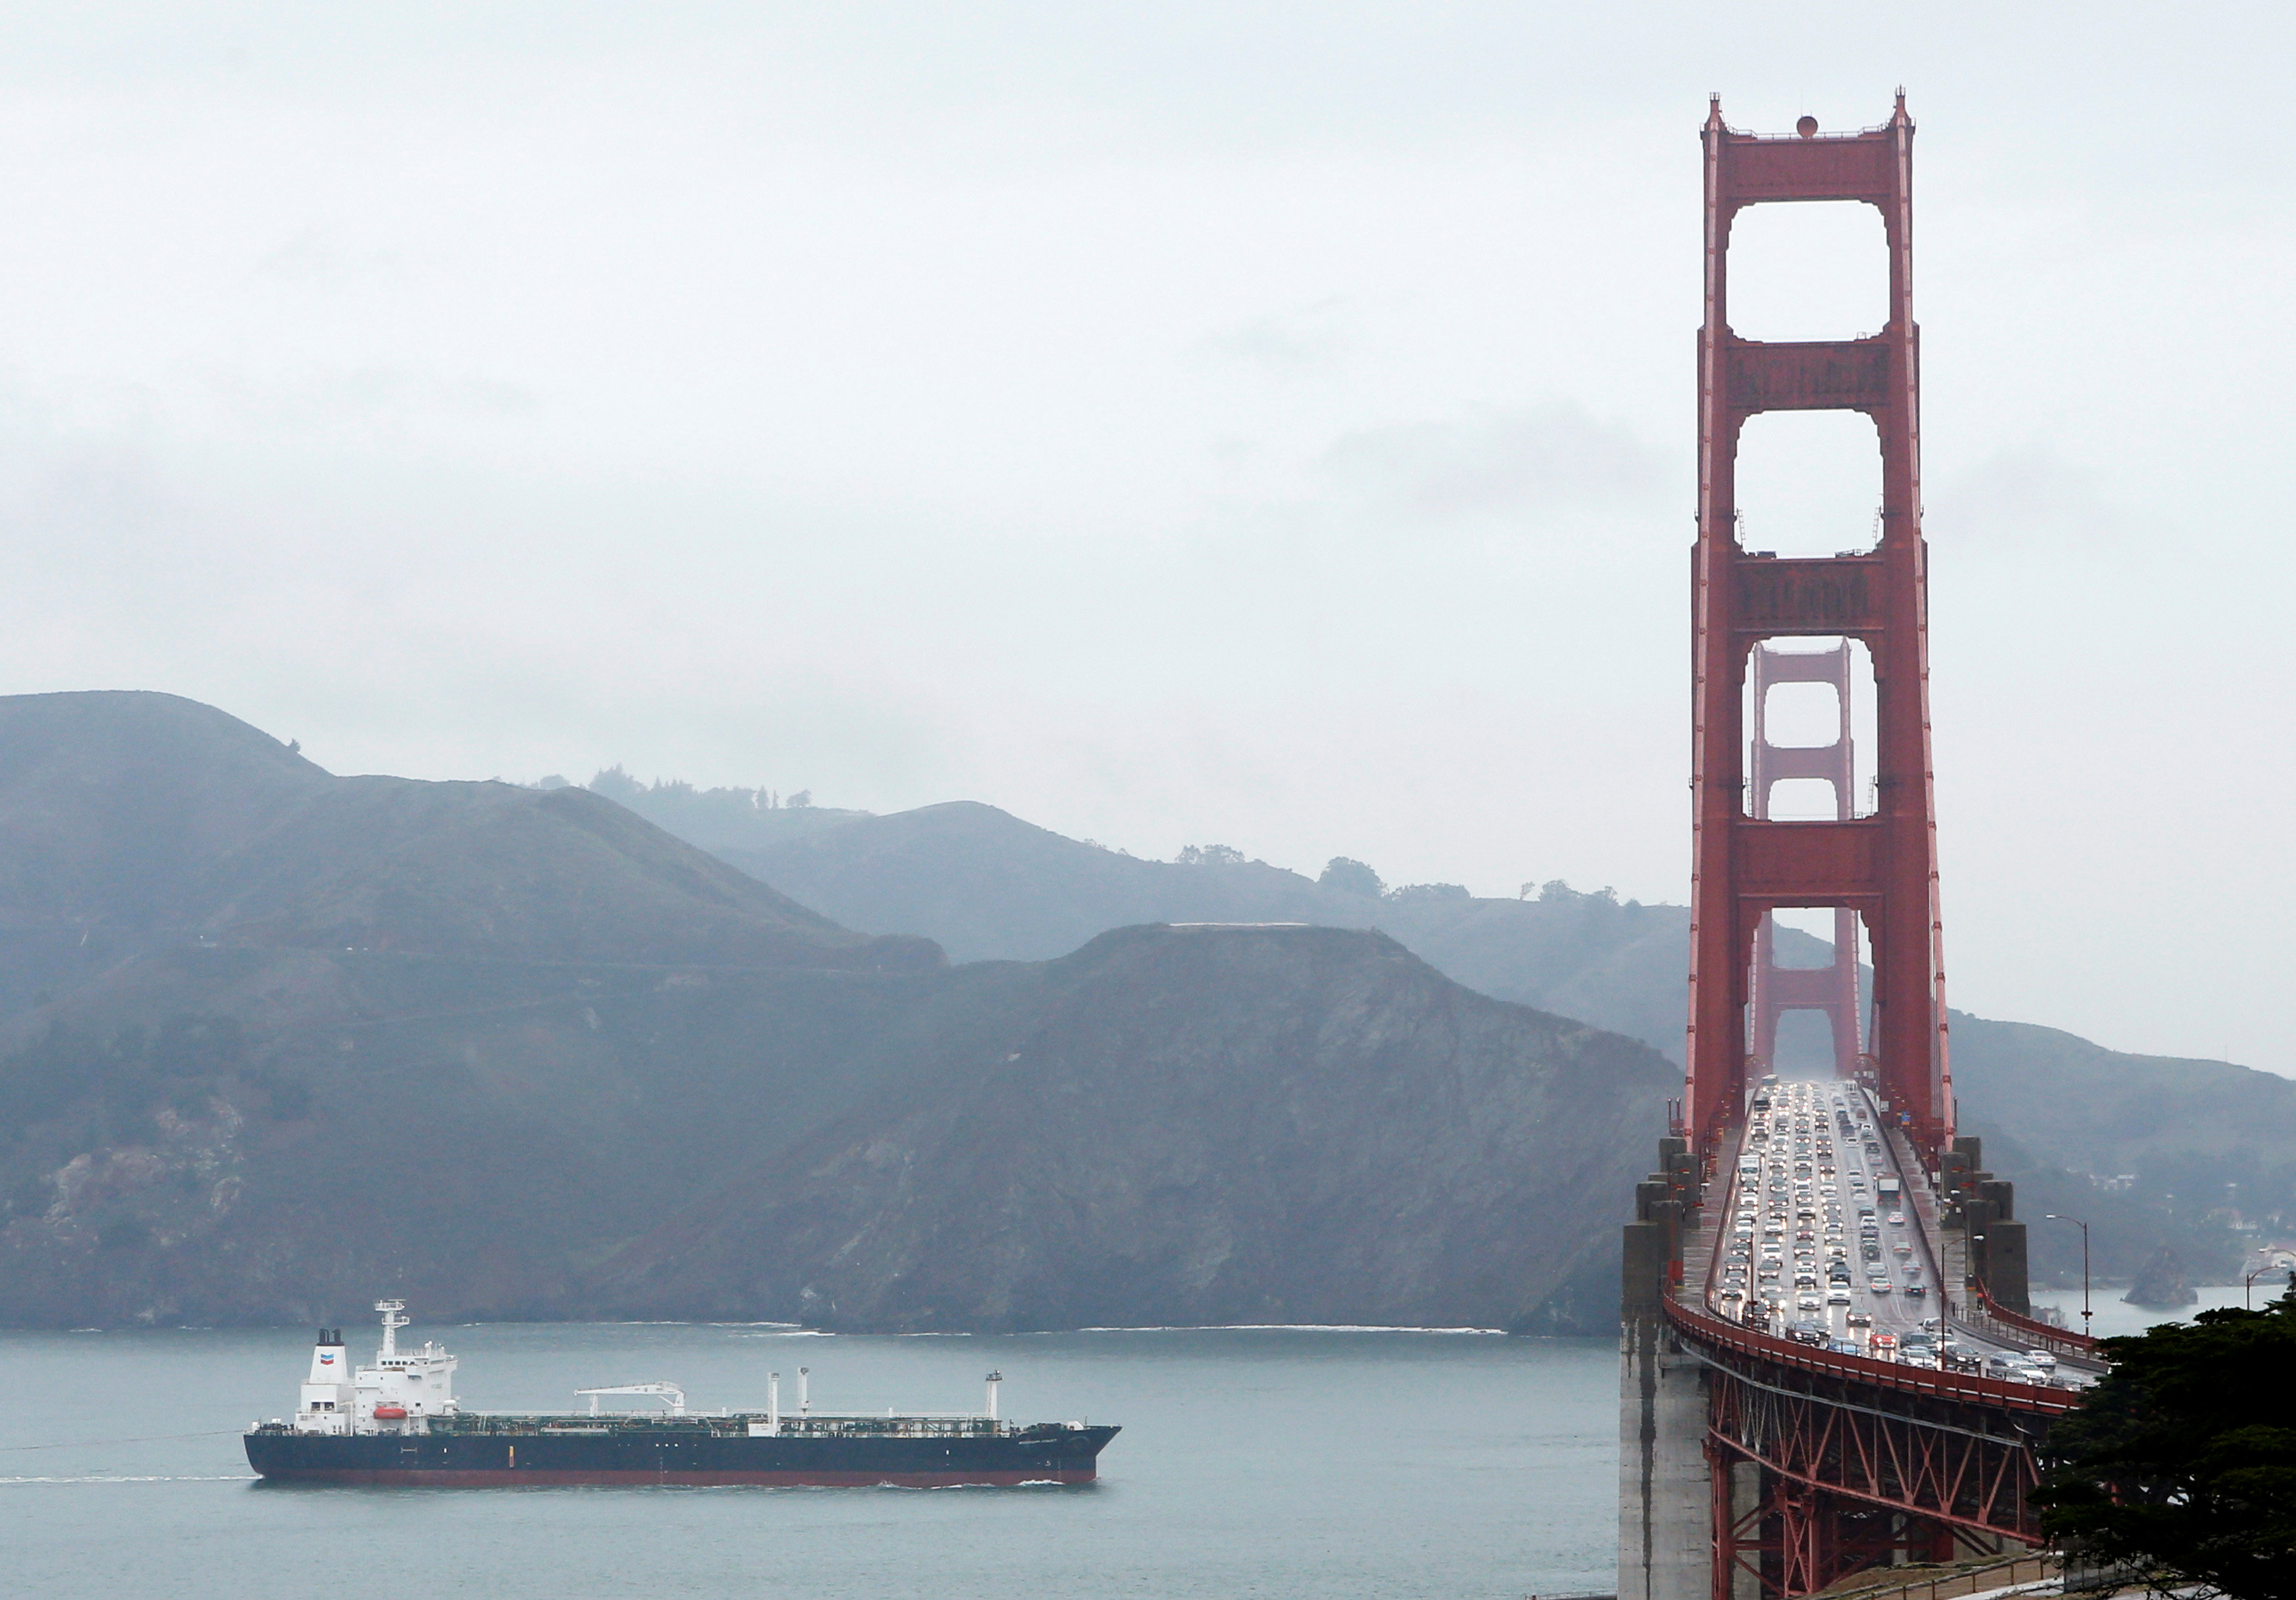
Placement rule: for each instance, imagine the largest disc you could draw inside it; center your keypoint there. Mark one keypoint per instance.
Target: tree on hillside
(2184, 1457)
(1350, 876)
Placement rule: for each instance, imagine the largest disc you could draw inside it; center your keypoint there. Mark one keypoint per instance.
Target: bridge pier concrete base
(1666, 1492)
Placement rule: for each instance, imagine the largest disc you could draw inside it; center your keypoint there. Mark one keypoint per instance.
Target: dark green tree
(1350, 876)
(2183, 1458)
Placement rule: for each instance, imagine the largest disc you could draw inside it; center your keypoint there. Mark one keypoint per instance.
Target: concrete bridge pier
(1666, 1489)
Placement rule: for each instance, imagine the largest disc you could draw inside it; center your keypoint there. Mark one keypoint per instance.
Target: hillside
(243, 1001)
(999, 889)
(984, 884)
(1197, 1126)
(467, 1043)
(135, 821)
(2055, 1109)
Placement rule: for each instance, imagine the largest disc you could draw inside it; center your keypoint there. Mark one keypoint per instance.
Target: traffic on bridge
(1821, 1236)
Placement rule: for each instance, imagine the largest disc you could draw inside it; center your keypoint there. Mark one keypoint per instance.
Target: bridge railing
(2006, 1326)
(1709, 1329)
(1960, 1580)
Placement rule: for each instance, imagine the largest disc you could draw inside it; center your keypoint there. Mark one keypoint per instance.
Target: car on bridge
(1877, 1285)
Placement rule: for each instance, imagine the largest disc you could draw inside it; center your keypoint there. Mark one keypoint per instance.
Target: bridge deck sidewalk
(1698, 1246)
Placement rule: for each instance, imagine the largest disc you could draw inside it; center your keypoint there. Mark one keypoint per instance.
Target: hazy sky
(1261, 424)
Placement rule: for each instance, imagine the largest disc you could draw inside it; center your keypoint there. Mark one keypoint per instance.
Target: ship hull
(681, 1456)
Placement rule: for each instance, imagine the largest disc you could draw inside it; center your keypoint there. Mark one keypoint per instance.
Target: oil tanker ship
(397, 1422)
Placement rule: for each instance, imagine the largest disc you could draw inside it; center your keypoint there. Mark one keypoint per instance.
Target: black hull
(680, 1456)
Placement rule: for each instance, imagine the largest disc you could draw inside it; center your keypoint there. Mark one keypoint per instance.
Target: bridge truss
(1850, 1469)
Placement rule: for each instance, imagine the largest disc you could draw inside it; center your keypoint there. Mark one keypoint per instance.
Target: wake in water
(123, 1478)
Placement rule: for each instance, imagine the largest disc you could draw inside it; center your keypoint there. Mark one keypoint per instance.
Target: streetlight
(2247, 1292)
(2077, 1222)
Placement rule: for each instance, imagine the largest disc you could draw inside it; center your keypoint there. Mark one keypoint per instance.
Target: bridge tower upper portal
(1880, 867)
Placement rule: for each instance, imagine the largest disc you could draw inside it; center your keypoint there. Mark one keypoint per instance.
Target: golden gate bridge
(1828, 1361)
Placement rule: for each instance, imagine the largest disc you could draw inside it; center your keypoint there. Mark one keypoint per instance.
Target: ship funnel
(330, 1362)
(774, 1401)
(995, 1378)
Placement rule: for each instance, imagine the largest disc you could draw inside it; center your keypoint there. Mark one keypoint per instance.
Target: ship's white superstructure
(396, 1395)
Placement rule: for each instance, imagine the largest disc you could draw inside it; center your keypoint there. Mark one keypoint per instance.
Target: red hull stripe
(508, 1477)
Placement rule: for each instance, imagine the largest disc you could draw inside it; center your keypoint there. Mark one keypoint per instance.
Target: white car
(2043, 1359)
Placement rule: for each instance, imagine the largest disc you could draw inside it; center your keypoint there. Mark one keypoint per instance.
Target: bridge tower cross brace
(1882, 867)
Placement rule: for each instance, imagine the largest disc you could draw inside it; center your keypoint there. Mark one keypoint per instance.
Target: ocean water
(1253, 1461)
(2112, 1317)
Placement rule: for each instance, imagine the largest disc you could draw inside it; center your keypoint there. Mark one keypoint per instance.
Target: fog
(1176, 424)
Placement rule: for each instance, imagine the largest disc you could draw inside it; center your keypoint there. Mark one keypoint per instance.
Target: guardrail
(2062, 1341)
(1865, 1369)
(1955, 1581)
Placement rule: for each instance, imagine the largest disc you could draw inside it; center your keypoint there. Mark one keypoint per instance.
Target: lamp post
(2248, 1295)
(2077, 1222)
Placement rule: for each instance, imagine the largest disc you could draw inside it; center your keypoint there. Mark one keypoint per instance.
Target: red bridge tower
(1756, 1464)
(1880, 868)
(1830, 990)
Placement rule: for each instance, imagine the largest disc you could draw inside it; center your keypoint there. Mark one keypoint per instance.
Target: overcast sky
(1258, 424)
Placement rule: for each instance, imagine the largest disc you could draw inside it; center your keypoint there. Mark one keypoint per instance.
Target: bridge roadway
(1806, 1188)
(1774, 1443)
